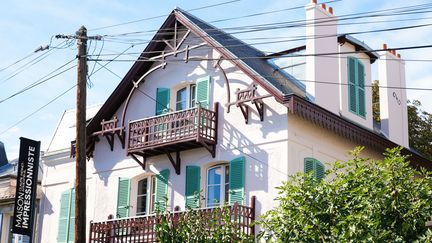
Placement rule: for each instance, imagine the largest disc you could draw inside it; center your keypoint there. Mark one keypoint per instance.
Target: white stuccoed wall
(265, 142)
(324, 69)
(366, 121)
(393, 102)
(308, 140)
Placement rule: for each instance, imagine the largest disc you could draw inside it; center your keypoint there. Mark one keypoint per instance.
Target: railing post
(216, 110)
(199, 122)
(253, 207)
(90, 231)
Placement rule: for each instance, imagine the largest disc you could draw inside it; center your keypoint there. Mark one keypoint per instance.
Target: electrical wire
(161, 16)
(41, 80)
(36, 111)
(17, 61)
(33, 62)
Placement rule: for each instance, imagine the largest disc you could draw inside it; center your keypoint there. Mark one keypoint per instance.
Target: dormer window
(356, 87)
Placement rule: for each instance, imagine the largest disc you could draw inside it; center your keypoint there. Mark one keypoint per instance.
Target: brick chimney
(321, 32)
(393, 101)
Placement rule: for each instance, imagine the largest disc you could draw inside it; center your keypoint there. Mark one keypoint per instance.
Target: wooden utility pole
(81, 173)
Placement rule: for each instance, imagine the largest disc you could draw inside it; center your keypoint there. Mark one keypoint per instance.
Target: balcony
(173, 132)
(143, 228)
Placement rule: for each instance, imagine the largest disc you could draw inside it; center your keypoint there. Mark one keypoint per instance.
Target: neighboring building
(202, 111)
(58, 179)
(8, 174)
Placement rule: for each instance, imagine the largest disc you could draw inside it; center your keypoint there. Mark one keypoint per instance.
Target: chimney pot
(330, 10)
(314, 1)
(384, 46)
(399, 55)
(323, 5)
(393, 52)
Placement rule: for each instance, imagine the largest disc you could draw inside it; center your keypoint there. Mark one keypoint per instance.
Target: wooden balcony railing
(143, 228)
(196, 125)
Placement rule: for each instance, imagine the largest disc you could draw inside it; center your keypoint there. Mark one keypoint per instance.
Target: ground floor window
(146, 196)
(217, 185)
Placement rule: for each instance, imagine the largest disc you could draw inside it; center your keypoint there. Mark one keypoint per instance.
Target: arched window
(217, 185)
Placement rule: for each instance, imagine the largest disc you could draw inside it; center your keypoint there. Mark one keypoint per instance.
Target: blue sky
(25, 25)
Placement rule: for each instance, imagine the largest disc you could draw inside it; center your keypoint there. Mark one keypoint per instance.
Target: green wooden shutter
(161, 189)
(311, 164)
(162, 100)
(123, 196)
(203, 92)
(308, 165)
(319, 170)
(65, 208)
(361, 89)
(352, 94)
(71, 236)
(192, 186)
(236, 180)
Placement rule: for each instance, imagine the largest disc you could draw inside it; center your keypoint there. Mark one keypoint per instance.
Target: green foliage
(195, 225)
(420, 129)
(375, 101)
(199, 226)
(362, 200)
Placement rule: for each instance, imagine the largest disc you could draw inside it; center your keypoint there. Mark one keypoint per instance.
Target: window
(181, 99)
(356, 87)
(315, 167)
(142, 197)
(146, 196)
(192, 96)
(217, 185)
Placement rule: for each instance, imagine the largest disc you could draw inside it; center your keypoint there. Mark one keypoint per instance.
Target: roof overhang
(342, 127)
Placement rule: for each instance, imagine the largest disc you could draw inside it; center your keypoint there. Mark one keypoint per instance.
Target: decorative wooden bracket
(142, 155)
(109, 130)
(210, 148)
(249, 95)
(176, 163)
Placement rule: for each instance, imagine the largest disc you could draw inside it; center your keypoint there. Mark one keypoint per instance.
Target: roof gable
(247, 58)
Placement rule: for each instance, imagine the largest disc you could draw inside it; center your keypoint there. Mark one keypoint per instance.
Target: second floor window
(356, 87)
(181, 99)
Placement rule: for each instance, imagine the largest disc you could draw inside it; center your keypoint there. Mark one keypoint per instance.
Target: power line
(17, 61)
(33, 62)
(265, 57)
(41, 80)
(302, 23)
(36, 111)
(161, 16)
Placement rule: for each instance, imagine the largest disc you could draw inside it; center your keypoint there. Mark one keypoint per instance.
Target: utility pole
(80, 152)
(81, 172)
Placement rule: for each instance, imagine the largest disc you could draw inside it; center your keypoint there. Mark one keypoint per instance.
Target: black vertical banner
(25, 196)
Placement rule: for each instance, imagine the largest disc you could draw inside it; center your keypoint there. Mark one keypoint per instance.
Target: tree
(362, 200)
(375, 101)
(420, 129)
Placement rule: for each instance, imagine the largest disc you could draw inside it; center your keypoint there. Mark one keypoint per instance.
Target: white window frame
(150, 194)
(223, 184)
(189, 86)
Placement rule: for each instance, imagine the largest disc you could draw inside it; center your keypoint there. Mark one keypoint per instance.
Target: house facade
(203, 120)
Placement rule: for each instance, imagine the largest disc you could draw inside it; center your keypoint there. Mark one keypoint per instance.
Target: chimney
(321, 33)
(393, 101)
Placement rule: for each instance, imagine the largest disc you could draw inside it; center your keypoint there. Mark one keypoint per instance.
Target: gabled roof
(359, 46)
(247, 58)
